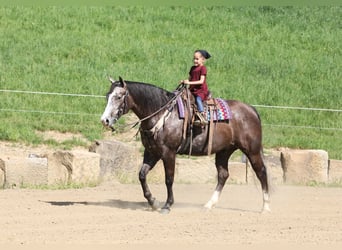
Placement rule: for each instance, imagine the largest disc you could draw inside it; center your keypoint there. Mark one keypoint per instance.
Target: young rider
(197, 81)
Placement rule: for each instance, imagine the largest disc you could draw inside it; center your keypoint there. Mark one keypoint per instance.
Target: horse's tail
(256, 112)
(269, 178)
(259, 118)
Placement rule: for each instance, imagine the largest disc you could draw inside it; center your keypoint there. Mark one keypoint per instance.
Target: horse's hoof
(208, 206)
(266, 210)
(165, 211)
(155, 205)
(206, 209)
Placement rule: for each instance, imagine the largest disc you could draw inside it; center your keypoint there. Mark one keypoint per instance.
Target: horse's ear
(111, 80)
(122, 82)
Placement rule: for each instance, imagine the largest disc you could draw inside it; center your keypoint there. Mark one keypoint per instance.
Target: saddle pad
(221, 112)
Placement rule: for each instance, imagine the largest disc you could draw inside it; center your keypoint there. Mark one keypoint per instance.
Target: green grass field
(277, 56)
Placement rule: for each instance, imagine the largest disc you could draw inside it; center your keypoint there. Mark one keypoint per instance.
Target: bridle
(124, 110)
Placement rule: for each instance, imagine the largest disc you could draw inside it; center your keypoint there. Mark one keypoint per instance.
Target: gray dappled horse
(161, 133)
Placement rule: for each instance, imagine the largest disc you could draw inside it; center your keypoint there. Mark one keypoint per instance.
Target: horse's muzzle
(105, 122)
(108, 123)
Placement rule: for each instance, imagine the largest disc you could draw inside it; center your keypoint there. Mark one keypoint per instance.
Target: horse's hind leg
(148, 163)
(259, 168)
(169, 161)
(221, 162)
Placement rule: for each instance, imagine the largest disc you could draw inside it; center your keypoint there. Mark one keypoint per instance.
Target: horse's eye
(118, 97)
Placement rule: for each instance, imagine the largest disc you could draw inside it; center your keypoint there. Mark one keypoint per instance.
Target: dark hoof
(165, 211)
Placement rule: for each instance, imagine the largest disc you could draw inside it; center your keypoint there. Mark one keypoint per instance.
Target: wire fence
(100, 96)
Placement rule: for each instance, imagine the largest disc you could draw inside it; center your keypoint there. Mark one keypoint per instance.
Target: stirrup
(203, 121)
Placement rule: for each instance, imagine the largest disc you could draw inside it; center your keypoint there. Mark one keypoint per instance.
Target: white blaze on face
(114, 104)
(108, 106)
(108, 110)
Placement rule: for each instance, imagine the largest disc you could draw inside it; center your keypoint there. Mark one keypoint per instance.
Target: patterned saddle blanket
(221, 111)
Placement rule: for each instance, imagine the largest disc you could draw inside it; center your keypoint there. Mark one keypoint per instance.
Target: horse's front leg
(169, 167)
(148, 163)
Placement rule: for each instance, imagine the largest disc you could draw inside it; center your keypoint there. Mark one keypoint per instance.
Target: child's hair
(204, 53)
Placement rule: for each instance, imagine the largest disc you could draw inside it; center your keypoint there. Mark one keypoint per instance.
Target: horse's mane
(150, 96)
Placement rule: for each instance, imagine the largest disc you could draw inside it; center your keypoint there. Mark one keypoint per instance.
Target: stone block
(237, 173)
(59, 171)
(24, 171)
(305, 166)
(85, 167)
(2, 174)
(76, 166)
(192, 170)
(117, 160)
(335, 171)
(275, 172)
(275, 175)
(274, 168)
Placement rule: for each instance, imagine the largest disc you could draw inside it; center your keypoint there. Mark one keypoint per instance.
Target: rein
(179, 92)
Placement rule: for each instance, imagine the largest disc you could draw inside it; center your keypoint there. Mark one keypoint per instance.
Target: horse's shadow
(116, 203)
(139, 205)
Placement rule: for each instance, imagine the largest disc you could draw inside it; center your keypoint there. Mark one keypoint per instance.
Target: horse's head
(116, 103)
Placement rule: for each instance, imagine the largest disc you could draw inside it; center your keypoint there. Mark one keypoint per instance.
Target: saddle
(215, 110)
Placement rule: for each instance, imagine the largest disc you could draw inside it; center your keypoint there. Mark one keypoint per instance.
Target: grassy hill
(273, 56)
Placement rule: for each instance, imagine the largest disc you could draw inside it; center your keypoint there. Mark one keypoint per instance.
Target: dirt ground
(117, 214)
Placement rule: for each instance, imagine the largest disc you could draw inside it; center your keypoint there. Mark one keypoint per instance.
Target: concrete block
(2, 174)
(192, 171)
(275, 175)
(21, 171)
(275, 172)
(237, 173)
(335, 171)
(274, 168)
(85, 167)
(117, 160)
(74, 166)
(305, 166)
(59, 172)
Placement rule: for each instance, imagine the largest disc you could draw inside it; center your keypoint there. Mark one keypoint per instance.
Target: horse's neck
(144, 109)
(139, 112)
